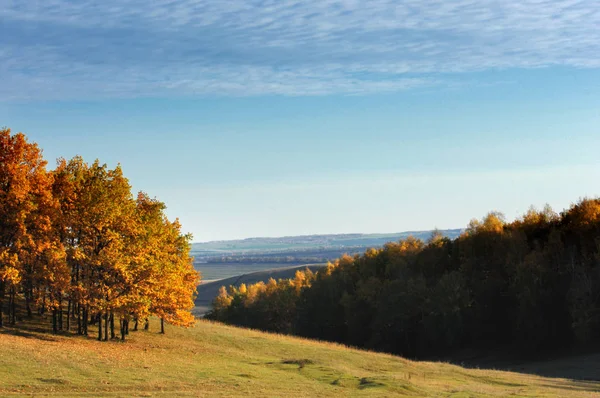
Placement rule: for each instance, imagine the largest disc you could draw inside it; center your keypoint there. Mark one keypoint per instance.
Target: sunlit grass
(217, 360)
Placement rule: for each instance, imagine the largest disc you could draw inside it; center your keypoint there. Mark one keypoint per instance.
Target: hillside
(224, 259)
(310, 242)
(215, 360)
(208, 291)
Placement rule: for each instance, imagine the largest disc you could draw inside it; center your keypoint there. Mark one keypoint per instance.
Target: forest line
(531, 285)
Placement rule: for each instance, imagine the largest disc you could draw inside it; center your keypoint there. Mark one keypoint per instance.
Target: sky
(292, 117)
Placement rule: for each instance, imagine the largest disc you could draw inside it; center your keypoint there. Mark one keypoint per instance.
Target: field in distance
(225, 259)
(216, 360)
(220, 271)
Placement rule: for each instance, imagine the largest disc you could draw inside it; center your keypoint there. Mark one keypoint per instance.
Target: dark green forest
(529, 286)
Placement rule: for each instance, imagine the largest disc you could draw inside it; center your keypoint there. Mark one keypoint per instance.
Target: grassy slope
(216, 360)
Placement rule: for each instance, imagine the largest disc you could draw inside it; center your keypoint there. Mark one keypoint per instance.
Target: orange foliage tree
(75, 242)
(25, 202)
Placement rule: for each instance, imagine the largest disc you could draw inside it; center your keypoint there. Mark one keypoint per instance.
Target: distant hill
(226, 259)
(310, 242)
(208, 291)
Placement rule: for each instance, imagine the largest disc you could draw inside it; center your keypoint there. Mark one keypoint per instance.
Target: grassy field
(215, 360)
(218, 271)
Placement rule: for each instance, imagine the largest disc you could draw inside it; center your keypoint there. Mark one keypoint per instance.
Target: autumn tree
(74, 242)
(24, 217)
(96, 226)
(172, 280)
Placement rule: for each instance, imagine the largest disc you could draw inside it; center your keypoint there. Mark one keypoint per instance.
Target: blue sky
(269, 118)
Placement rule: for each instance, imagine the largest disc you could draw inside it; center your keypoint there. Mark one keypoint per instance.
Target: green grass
(215, 360)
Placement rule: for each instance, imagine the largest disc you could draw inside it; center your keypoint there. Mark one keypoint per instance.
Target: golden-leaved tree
(25, 203)
(75, 242)
(163, 255)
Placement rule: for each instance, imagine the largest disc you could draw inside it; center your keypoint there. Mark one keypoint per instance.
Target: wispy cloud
(58, 49)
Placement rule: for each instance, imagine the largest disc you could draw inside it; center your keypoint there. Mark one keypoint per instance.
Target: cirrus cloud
(59, 49)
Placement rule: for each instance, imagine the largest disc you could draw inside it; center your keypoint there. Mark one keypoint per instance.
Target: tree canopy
(532, 284)
(76, 243)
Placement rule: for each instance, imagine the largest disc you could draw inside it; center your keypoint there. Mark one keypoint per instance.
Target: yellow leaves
(9, 267)
(8, 259)
(26, 210)
(180, 318)
(77, 254)
(10, 275)
(79, 234)
(586, 213)
(22, 170)
(254, 291)
(494, 222)
(302, 279)
(411, 244)
(271, 284)
(243, 289)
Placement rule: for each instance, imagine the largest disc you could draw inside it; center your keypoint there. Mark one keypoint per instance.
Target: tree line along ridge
(531, 285)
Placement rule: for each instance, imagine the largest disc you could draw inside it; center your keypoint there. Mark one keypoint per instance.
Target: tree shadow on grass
(35, 327)
(580, 369)
(576, 385)
(28, 334)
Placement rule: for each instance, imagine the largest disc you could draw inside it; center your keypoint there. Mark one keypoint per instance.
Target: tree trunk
(106, 326)
(76, 307)
(112, 325)
(69, 316)
(162, 325)
(147, 324)
(8, 307)
(122, 329)
(135, 325)
(28, 297)
(79, 325)
(1, 304)
(54, 321)
(60, 315)
(99, 320)
(85, 321)
(43, 306)
(13, 296)
(9, 312)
